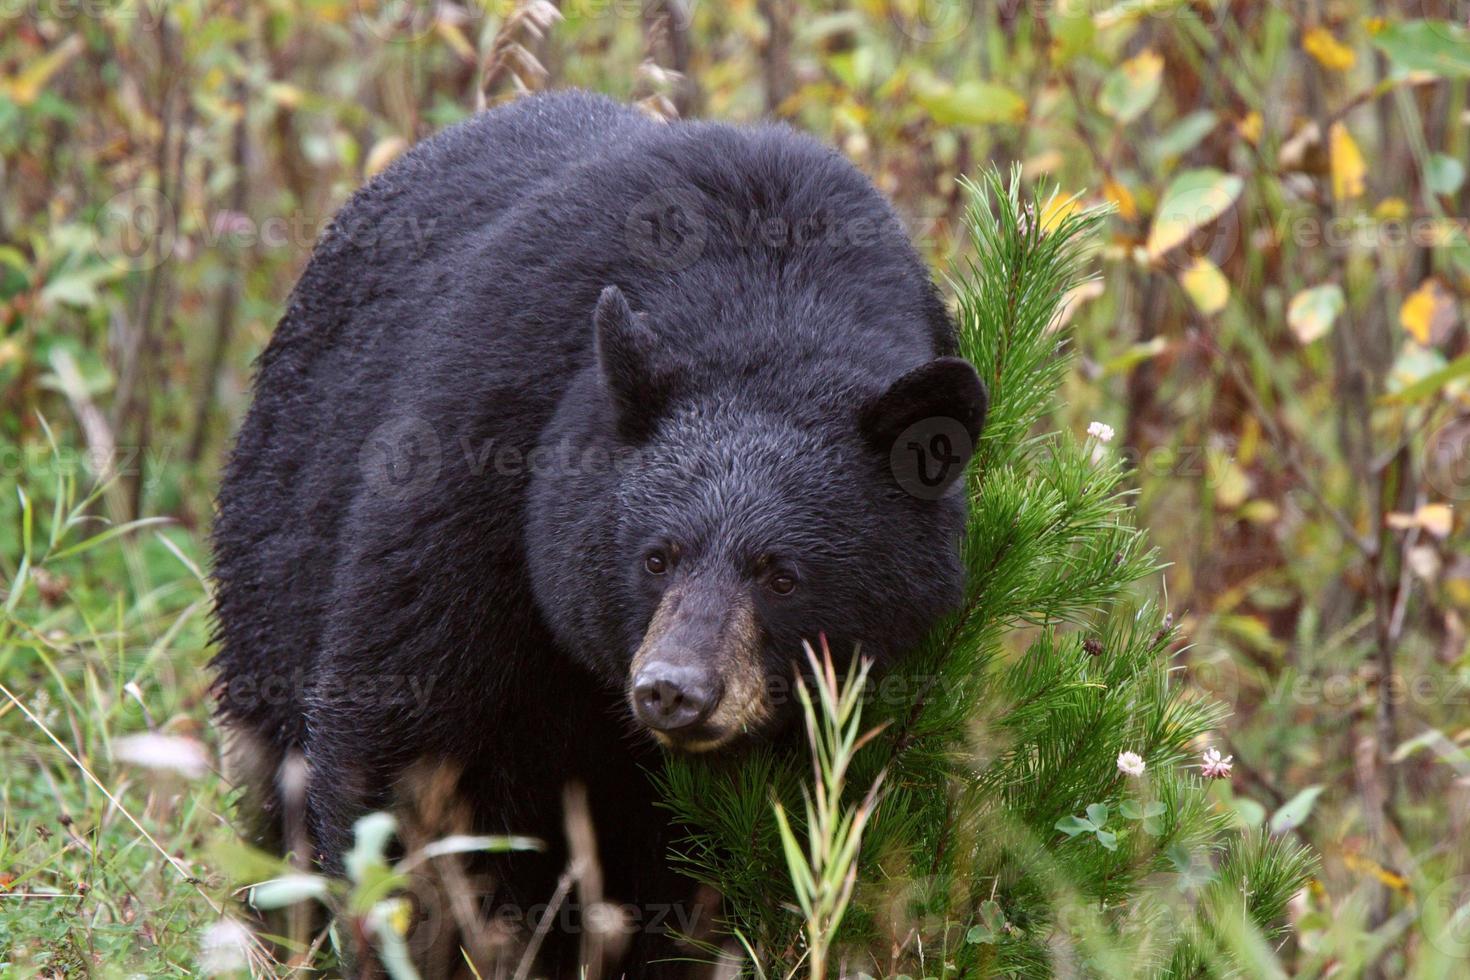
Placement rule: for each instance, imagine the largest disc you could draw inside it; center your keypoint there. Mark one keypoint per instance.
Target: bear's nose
(670, 696)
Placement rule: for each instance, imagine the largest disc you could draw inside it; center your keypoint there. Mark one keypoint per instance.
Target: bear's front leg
(350, 767)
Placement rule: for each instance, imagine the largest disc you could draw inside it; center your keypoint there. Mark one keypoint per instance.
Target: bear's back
(456, 288)
(294, 473)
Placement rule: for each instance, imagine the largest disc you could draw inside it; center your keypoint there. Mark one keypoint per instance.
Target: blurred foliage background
(1278, 337)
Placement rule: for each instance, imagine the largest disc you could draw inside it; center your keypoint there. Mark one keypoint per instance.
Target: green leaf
(376, 882)
(1444, 174)
(991, 914)
(1184, 135)
(1098, 814)
(1134, 355)
(1423, 740)
(1107, 839)
(1192, 200)
(371, 835)
(980, 934)
(1248, 813)
(1436, 46)
(1070, 36)
(242, 862)
(971, 103)
(1131, 810)
(107, 535)
(1132, 87)
(76, 287)
(1312, 312)
(991, 926)
(14, 258)
(464, 843)
(288, 890)
(1296, 810)
(1417, 369)
(1072, 826)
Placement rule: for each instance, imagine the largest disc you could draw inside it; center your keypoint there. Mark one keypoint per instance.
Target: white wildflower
(1215, 766)
(1130, 763)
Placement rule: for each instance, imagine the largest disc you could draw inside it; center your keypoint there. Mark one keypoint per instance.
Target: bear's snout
(698, 679)
(670, 696)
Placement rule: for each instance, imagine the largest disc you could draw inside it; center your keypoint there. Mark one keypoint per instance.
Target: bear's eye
(782, 584)
(656, 563)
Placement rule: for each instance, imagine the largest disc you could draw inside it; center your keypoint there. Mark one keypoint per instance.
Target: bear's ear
(628, 359)
(945, 393)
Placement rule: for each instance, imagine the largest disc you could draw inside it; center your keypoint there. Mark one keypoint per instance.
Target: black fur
(731, 401)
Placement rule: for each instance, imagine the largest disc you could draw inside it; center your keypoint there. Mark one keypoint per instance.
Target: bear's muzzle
(698, 680)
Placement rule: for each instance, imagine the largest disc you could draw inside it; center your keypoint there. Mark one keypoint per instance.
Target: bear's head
(685, 540)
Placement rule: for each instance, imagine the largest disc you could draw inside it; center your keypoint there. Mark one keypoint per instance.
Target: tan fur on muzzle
(745, 704)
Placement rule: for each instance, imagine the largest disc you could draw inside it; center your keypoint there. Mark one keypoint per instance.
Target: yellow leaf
(24, 88)
(1122, 198)
(285, 95)
(384, 152)
(1232, 484)
(1145, 65)
(1348, 167)
(1437, 519)
(1391, 209)
(1417, 311)
(334, 13)
(1260, 512)
(1426, 308)
(1330, 53)
(1250, 126)
(1044, 162)
(1370, 868)
(1206, 285)
(1458, 590)
(400, 916)
(1056, 212)
(1249, 441)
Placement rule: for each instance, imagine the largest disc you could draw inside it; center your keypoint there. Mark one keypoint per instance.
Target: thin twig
(563, 888)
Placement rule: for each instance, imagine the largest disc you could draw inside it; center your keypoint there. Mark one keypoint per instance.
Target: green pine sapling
(1043, 797)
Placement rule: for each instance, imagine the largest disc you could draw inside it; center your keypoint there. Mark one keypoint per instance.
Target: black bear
(576, 425)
